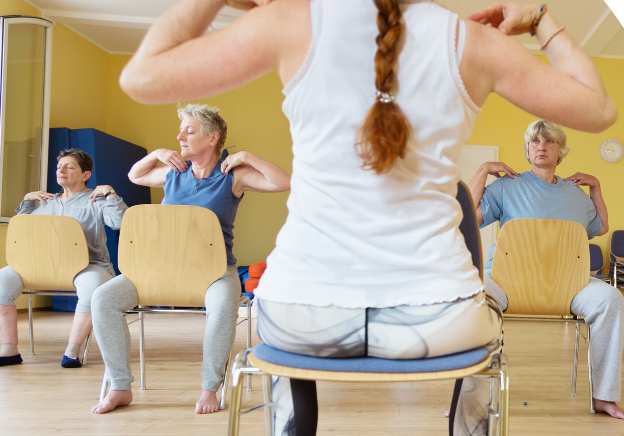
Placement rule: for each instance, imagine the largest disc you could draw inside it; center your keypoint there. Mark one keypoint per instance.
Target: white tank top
(352, 238)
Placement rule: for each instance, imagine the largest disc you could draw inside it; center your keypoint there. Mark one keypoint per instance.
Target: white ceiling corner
(118, 26)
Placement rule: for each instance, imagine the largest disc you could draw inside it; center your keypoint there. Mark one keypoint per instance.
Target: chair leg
(576, 347)
(30, 326)
(589, 370)
(235, 399)
(504, 395)
(85, 355)
(142, 348)
(104, 388)
(248, 339)
(267, 392)
(226, 377)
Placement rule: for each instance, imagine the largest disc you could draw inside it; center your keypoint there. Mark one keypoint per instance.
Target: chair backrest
(595, 256)
(469, 226)
(541, 265)
(617, 246)
(46, 251)
(171, 254)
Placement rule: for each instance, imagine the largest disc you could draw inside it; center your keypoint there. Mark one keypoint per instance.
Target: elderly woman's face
(69, 173)
(543, 152)
(193, 141)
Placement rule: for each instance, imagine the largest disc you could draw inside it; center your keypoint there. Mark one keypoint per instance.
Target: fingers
(43, 196)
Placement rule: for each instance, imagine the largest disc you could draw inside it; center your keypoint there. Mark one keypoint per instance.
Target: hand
(100, 191)
(495, 168)
(41, 196)
(581, 179)
(246, 5)
(172, 159)
(233, 160)
(510, 18)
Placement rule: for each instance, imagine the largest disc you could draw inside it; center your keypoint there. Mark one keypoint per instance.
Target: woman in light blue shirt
(540, 193)
(93, 209)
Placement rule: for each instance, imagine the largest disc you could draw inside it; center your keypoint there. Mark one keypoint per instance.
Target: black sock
(305, 405)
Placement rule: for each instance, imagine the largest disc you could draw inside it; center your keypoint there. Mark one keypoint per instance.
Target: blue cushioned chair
(616, 257)
(267, 361)
(595, 268)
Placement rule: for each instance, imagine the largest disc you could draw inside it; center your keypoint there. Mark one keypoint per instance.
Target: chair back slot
(46, 251)
(541, 265)
(171, 254)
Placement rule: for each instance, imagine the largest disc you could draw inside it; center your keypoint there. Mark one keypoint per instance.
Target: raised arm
(570, 92)
(252, 173)
(595, 194)
(477, 183)
(146, 172)
(177, 62)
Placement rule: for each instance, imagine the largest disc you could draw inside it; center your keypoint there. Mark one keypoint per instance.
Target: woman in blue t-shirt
(539, 193)
(208, 180)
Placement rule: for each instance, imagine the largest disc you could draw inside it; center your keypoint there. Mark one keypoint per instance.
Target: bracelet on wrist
(542, 11)
(551, 37)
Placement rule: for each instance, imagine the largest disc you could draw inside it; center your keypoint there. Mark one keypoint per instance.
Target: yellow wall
(504, 125)
(255, 123)
(79, 85)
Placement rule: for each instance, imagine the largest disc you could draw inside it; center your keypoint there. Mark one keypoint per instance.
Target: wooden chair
(172, 254)
(541, 265)
(47, 252)
(266, 361)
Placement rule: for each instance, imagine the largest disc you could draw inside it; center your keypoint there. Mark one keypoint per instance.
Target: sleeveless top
(354, 239)
(213, 192)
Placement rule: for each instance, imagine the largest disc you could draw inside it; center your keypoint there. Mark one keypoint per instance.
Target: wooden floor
(41, 398)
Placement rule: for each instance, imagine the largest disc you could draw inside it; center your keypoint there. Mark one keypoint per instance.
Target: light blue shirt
(528, 196)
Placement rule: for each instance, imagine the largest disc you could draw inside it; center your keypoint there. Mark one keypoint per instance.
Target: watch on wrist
(112, 191)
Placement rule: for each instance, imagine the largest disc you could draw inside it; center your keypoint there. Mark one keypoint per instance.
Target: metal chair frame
(141, 311)
(498, 375)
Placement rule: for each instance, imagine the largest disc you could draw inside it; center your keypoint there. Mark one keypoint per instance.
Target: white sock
(7, 350)
(72, 351)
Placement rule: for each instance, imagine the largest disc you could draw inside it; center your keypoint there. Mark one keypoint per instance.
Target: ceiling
(118, 26)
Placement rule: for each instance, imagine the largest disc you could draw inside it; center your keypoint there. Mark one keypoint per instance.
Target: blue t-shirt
(528, 196)
(213, 192)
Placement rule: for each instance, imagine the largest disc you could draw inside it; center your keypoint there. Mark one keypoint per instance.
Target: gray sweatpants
(111, 300)
(602, 306)
(402, 332)
(85, 282)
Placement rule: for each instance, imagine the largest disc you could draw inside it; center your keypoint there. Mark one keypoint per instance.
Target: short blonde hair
(209, 118)
(549, 131)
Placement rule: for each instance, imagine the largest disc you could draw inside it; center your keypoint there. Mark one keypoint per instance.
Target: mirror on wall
(26, 44)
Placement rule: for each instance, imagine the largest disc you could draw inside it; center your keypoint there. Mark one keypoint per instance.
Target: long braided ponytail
(384, 134)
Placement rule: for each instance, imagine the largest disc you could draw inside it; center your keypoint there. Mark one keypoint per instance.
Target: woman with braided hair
(380, 95)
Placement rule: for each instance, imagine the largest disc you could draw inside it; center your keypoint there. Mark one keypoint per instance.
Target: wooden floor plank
(41, 398)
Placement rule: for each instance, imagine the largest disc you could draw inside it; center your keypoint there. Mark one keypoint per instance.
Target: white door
(470, 159)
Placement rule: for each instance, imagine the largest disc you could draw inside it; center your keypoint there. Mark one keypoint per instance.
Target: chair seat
(600, 276)
(371, 364)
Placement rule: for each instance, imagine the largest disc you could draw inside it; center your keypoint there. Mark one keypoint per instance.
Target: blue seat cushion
(370, 364)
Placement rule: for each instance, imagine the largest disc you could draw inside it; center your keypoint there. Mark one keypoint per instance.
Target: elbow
(134, 82)
(604, 230)
(285, 185)
(607, 117)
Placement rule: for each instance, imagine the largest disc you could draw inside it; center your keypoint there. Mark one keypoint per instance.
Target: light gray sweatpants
(111, 300)
(402, 332)
(602, 306)
(85, 282)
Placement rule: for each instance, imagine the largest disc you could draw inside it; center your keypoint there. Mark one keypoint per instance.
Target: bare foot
(609, 407)
(447, 413)
(207, 402)
(112, 400)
